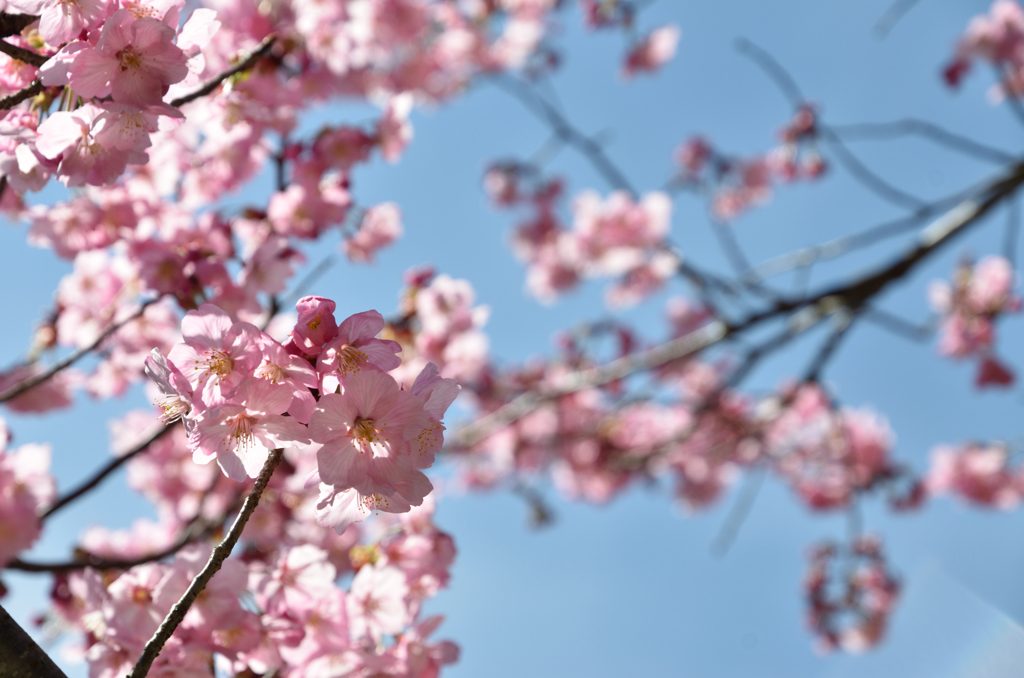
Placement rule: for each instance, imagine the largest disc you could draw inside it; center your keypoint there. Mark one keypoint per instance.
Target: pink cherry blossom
(239, 436)
(134, 61)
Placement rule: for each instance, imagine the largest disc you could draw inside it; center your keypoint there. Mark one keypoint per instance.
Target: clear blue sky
(632, 588)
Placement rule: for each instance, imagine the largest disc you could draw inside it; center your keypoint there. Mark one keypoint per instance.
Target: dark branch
(27, 92)
(20, 657)
(105, 471)
(245, 64)
(217, 558)
(12, 24)
(32, 382)
(21, 54)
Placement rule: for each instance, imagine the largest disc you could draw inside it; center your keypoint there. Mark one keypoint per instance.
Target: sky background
(633, 588)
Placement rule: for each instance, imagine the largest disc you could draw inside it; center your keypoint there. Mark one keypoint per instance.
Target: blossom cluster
(997, 38)
(616, 237)
(701, 433)
(852, 612)
(737, 184)
(970, 305)
(276, 610)
(326, 392)
(26, 489)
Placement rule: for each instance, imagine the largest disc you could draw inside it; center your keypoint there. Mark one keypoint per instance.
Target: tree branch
(217, 558)
(243, 65)
(27, 92)
(32, 382)
(105, 471)
(806, 312)
(20, 657)
(923, 128)
(21, 54)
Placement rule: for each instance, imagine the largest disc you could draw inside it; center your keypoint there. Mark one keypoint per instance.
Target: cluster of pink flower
(26, 489)
(998, 39)
(614, 237)
(298, 622)
(594, 445)
(970, 306)
(738, 184)
(979, 473)
(242, 394)
(853, 613)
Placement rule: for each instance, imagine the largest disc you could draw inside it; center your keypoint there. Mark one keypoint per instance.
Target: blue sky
(632, 588)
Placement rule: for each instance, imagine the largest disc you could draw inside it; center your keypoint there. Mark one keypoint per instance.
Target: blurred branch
(773, 69)
(105, 471)
(1011, 237)
(562, 129)
(922, 128)
(74, 357)
(866, 176)
(739, 512)
(805, 312)
(897, 10)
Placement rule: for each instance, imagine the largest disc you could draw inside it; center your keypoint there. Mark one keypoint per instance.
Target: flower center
(351, 359)
(364, 431)
(240, 431)
(271, 372)
(129, 59)
(172, 407)
(218, 363)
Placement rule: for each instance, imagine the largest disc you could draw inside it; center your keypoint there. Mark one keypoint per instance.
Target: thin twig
(828, 349)
(561, 128)
(105, 471)
(243, 65)
(217, 558)
(898, 325)
(739, 512)
(773, 69)
(923, 128)
(303, 285)
(1011, 237)
(21, 54)
(866, 176)
(27, 92)
(897, 10)
(805, 313)
(32, 382)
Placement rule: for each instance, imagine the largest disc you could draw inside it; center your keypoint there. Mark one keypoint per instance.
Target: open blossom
(62, 20)
(69, 138)
(217, 354)
(376, 602)
(134, 61)
(354, 348)
(239, 436)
